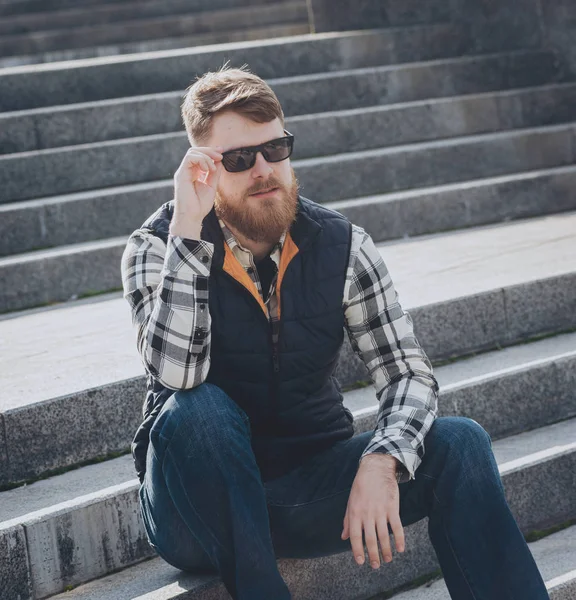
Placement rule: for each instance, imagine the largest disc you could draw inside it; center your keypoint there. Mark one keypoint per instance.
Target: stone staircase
(461, 165)
(56, 30)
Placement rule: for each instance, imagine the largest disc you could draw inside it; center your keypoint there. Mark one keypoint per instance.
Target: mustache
(259, 187)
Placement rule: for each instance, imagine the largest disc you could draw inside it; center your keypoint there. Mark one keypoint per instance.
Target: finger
(345, 532)
(372, 543)
(356, 540)
(213, 153)
(213, 177)
(193, 158)
(398, 532)
(384, 538)
(197, 166)
(201, 160)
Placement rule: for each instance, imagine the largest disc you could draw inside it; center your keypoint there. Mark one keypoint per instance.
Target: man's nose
(261, 168)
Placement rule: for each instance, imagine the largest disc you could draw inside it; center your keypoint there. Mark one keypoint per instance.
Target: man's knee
(205, 412)
(459, 436)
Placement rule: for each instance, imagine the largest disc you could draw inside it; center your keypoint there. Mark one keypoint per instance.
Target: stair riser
(161, 114)
(322, 179)
(70, 430)
(134, 76)
(565, 591)
(183, 25)
(459, 207)
(80, 274)
(265, 32)
(69, 546)
(85, 16)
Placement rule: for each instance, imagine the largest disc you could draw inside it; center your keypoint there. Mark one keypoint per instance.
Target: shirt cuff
(183, 254)
(400, 449)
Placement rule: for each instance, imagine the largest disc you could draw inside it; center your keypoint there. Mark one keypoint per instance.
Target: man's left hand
(373, 503)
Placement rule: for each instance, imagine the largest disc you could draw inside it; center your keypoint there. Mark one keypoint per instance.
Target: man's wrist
(386, 461)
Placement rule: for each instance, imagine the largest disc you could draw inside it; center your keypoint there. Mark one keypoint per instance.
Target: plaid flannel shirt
(167, 289)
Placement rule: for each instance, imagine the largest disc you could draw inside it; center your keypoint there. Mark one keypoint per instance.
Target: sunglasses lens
(243, 159)
(278, 150)
(239, 160)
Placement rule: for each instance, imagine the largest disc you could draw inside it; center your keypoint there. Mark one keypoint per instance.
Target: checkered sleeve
(381, 333)
(166, 286)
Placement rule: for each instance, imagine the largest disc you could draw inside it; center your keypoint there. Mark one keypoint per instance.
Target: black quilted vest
(289, 393)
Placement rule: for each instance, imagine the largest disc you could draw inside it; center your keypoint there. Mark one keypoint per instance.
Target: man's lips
(265, 192)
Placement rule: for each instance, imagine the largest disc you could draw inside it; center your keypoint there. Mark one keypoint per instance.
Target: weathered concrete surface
(97, 536)
(15, 581)
(44, 494)
(19, 8)
(95, 215)
(74, 279)
(339, 15)
(65, 431)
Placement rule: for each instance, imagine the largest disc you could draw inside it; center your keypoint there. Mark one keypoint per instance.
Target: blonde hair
(227, 89)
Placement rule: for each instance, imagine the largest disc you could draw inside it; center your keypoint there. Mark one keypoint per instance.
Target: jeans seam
(310, 502)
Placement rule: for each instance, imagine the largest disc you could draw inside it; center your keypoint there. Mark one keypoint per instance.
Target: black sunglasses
(242, 159)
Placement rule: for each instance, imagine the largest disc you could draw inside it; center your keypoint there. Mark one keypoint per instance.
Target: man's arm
(167, 289)
(382, 334)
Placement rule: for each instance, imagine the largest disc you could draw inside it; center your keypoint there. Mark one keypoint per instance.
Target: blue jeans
(206, 508)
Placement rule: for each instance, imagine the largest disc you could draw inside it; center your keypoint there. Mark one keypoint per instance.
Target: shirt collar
(243, 254)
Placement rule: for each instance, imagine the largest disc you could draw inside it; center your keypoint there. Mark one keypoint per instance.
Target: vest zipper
(275, 358)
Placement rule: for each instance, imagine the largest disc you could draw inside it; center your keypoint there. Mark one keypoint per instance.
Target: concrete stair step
(106, 213)
(196, 40)
(71, 511)
(154, 28)
(30, 175)
(466, 292)
(55, 84)
(430, 81)
(114, 13)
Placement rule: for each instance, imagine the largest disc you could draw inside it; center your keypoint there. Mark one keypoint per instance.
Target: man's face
(260, 203)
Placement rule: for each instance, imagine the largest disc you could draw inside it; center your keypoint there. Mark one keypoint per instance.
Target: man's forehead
(231, 130)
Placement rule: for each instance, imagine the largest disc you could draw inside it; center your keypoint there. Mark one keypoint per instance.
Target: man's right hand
(195, 184)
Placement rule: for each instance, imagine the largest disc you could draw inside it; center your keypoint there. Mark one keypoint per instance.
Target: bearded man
(240, 291)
